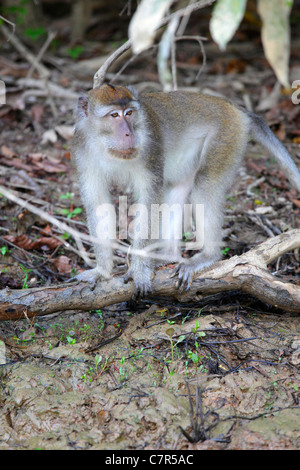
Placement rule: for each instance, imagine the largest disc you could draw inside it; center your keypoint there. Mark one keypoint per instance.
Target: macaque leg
(208, 209)
(140, 269)
(141, 262)
(174, 223)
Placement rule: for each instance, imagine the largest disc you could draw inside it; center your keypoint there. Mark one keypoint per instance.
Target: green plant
(187, 236)
(201, 334)
(70, 340)
(85, 330)
(97, 360)
(49, 344)
(195, 357)
(4, 250)
(67, 196)
(17, 11)
(75, 51)
(26, 272)
(66, 236)
(122, 373)
(35, 33)
(170, 332)
(224, 251)
(71, 213)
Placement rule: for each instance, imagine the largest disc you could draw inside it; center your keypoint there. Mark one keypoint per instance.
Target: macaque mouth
(125, 154)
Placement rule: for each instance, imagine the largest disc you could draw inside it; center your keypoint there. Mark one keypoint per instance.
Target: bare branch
(99, 76)
(246, 273)
(43, 71)
(38, 58)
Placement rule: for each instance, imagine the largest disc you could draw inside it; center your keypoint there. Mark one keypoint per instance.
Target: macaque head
(112, 113)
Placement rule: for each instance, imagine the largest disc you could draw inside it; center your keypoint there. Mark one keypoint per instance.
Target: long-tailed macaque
(173, 148)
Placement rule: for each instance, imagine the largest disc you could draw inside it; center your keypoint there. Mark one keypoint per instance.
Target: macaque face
(113, 114)
(120, 136)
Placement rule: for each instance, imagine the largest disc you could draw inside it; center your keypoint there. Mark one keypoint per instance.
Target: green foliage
(26, 272)
(75, 51)
(4, 250)
(71, 214)
(35, 33)
(18, 12)
(225, 250)
(67, 196)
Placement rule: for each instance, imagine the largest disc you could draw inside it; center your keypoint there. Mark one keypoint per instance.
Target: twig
(9, 22)
(43, 71)
(253, 185)
(56, 90)
(165, 46)
(99, 76)
(185, 19)
(200, 40)
(258, 221)
(80, 252)
(51, 36)
(197, 419)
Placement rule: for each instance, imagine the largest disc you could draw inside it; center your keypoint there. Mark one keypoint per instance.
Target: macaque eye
(114, 115)
(129, 113)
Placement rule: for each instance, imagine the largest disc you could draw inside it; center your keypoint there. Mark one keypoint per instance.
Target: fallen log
(247, 273)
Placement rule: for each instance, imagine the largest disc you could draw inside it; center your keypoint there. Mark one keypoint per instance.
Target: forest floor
(221, 372)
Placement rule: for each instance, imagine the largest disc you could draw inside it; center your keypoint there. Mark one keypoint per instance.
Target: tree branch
(99, 76)
(247, 273)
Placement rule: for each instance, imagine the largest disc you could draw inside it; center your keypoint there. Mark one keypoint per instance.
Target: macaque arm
(101, 221)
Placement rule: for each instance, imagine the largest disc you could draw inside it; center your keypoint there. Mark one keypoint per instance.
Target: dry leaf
(296, 202)
(22, 241)
(49, 136)
(63, 264)
(37, 111)
(66, 132)
(275, 36)
(6, 152)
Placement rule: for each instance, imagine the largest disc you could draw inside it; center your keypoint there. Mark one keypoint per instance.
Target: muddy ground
(221, 372)
(139, 391)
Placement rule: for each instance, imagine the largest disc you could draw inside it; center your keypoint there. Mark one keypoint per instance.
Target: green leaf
(74, 52)
(65, 211)
(77, 210)
(34, 33)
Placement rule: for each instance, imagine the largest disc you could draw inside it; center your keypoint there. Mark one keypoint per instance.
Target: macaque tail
(262, 134)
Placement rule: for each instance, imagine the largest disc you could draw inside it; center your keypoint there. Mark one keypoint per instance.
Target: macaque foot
(185, 273)
(91, 276)
(143, 284)
(186, 269)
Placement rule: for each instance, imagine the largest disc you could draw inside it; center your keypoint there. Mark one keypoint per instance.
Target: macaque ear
(82, 106)
(133, 91)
